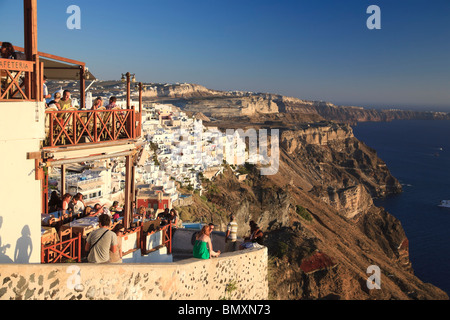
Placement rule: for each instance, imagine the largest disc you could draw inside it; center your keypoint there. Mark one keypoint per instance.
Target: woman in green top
(203, 246)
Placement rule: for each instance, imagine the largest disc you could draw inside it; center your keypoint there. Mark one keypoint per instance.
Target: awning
(57, 70)
(60, 68)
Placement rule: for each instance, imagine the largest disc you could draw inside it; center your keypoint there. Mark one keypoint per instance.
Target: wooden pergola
(60, 68)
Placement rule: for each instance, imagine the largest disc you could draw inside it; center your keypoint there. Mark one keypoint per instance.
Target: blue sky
(316, 50)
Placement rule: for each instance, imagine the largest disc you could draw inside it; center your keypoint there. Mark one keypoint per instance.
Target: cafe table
(50, 218)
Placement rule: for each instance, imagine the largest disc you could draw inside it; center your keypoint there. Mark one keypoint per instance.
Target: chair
(49, 239)
(65, 234)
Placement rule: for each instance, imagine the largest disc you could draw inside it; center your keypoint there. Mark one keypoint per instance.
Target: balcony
(85, 127)
(18, 80)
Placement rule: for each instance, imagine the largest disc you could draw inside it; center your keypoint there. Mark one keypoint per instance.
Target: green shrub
(302, 212)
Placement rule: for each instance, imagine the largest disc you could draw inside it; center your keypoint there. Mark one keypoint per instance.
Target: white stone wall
(22, 129)
(190, 279)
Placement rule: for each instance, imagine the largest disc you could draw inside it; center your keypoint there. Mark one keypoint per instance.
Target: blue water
(411, 150)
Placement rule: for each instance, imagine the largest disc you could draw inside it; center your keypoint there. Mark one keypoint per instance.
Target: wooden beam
(53, 57)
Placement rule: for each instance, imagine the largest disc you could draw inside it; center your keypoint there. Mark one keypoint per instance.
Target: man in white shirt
(231, 235)
(45, 91)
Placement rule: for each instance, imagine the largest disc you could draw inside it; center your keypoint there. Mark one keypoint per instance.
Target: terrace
(71, 136)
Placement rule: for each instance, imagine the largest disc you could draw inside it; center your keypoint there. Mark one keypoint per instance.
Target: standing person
(164, 217)
(203, 248)
(47, 96)
(66, 102)
(116, 257)
(173, 217)
(101, 242)
(9, 52)
(174, 220)
(231, 235)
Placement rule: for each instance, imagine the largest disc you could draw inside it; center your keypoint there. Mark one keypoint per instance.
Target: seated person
(116, 211)
(99, 210)
(88, 212)
(55, 101)
(141, 214)
(112, 103)
(98, 103)
(78, 205)
(66, 102)
(255, 239)
(66, 209)
(55, 202)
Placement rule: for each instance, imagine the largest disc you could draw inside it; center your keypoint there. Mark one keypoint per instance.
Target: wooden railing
(64, 251)
(70, 128)
(18, 80)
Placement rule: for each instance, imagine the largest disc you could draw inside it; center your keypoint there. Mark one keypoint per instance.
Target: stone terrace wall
(190, 279)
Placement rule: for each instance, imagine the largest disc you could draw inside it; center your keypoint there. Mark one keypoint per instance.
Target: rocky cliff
(220, 104)
(185, 90)
(321, 226)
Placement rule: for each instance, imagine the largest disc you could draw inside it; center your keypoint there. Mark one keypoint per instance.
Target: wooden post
(30, 26)
(82, 88)
(128, 90)
(133, 183)
(139, 132)
(128, 215)
(31, 44)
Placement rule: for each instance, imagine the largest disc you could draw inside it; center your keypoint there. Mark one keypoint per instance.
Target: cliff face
(227, 104)
(230, 106)
(185, 90)
(321, 226)
(351, 114)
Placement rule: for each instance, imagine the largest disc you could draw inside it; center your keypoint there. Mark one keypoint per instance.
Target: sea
(417, 152)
